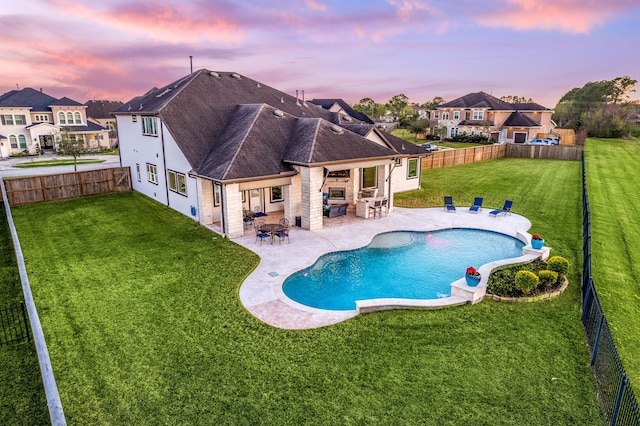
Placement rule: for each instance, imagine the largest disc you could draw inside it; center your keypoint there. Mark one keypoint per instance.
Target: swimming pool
(399, 264)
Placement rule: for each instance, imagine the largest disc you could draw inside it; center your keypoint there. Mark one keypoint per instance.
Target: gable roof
(400, 145)
(477, 100)
(27, 98)
(64, 101)
(225, 125)
(518, 119)
(530, 106)
(328, 103)
(101, 109)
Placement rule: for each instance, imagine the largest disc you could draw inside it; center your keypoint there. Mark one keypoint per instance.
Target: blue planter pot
(472, 280)
(537, 244)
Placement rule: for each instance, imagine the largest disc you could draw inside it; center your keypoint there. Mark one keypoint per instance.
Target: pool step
(374, 305)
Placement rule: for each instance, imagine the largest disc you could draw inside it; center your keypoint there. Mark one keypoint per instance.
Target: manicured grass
(141, 313)
(22, 398)
(613, 182)
(55, 163)
(411, 137)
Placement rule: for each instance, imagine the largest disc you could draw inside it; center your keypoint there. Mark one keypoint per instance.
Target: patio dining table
(271, 229)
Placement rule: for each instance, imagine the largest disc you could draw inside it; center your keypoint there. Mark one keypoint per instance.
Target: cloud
(574, 16)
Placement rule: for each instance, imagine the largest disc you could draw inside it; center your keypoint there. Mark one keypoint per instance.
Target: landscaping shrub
(548, 278)
(526, 281)
(558, 264)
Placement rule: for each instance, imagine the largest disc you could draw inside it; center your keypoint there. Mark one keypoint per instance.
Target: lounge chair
(448, 204)
(477, 205)
(506, 209)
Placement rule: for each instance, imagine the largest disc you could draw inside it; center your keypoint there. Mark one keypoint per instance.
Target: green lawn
(141, 313)
(22, 399)
(55, 163)
(411, 137)
(613, 183)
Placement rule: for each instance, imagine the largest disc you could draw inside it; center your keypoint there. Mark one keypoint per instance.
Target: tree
(70, 143)
(370, 107)
(432, 104)
(397, 104)
(602, 108)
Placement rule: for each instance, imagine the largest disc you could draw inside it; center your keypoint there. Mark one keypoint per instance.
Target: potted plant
(537, 241)
(472, 276)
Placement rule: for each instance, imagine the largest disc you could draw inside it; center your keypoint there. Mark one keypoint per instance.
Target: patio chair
(284, 233)
(448, 204)
(384, 208)
(477, 205)
(247, 217)
(260, 235)
(376, 207)
(506, 209)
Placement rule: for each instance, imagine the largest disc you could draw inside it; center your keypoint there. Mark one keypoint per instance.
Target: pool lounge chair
(506, 209)
(477, 205)
(448, 204)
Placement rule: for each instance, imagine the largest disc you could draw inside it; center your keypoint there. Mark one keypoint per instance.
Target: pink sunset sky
(116, 49)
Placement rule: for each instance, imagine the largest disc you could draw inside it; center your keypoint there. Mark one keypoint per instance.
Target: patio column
(292, 200)
(232, 210)
(311, 197)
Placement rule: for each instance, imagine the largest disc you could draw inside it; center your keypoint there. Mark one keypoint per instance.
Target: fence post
(596, 343)
(616, 409)
(24, 320)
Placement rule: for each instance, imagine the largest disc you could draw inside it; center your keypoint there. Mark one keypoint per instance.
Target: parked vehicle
(537, 142)
(552, 141)
(429, 147)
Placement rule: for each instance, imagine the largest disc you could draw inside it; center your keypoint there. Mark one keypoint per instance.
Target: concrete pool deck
(261, 292)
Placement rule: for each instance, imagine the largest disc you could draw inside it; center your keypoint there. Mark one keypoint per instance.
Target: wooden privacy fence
(38, 189)
(545, 152)
(454, 157)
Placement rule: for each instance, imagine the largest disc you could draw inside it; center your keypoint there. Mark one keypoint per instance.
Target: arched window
(61, 118)
(78, 118)
(23, 141)
(69, 118)
(13, 141)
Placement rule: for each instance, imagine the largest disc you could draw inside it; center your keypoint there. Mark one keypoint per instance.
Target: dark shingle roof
(102, 109)
(65, 102)
(530, 106)
(477, 100)
(328, 103)
(25, 98)
(517, 119)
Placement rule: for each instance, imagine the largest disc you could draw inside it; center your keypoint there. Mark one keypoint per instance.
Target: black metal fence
(615, 395)
(14, 326)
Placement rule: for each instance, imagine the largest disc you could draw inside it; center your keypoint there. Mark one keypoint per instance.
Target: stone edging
(548, 295)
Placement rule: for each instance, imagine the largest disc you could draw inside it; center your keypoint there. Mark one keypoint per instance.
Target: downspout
(223, 196)
(164, 162)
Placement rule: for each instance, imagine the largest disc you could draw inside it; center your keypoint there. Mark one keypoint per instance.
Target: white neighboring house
(31, 120)
(215, 144)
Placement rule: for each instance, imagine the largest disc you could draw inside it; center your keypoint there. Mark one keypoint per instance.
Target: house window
(478, 114)
(7, 119)
(14, 141)
(445, 115)
(412, 169)
(397, 162)
(454, 131)
(217, 194)
(177, 182)
(61, 118)
(276, 194)
(149, 126)
(22, 141)
(436, 114)
(369, 177)
(78, 118)
(152, 173)
(138, 172)
(338, 193)
(456, 115)
(339, 173)
(69, 118)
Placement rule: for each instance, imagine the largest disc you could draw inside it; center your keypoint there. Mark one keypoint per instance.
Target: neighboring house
(214, 144)
(31, 120)
(346, 114)
(100, 113)
(482, 114)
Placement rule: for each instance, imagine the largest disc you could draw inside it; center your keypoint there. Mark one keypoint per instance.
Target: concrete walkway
(261, 293)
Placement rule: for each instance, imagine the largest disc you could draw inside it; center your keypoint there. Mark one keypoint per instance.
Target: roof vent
(235, 75)
(337, 129)
(281, 99)
(214, 74)
(140, 107)
(347, 118)
(278, 113)
(258, 85)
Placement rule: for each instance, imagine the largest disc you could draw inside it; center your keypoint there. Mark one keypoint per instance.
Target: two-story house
(99, 112)
(482, 114)
(213, 145)
(31, 120)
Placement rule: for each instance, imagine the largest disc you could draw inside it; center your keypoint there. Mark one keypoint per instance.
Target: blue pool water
(409, 265)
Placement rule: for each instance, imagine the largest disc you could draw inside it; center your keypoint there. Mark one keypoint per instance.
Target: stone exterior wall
(232, 210)
(311, 197)
(205, 201)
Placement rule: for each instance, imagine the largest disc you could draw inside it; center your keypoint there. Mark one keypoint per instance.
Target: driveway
(7, 166)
